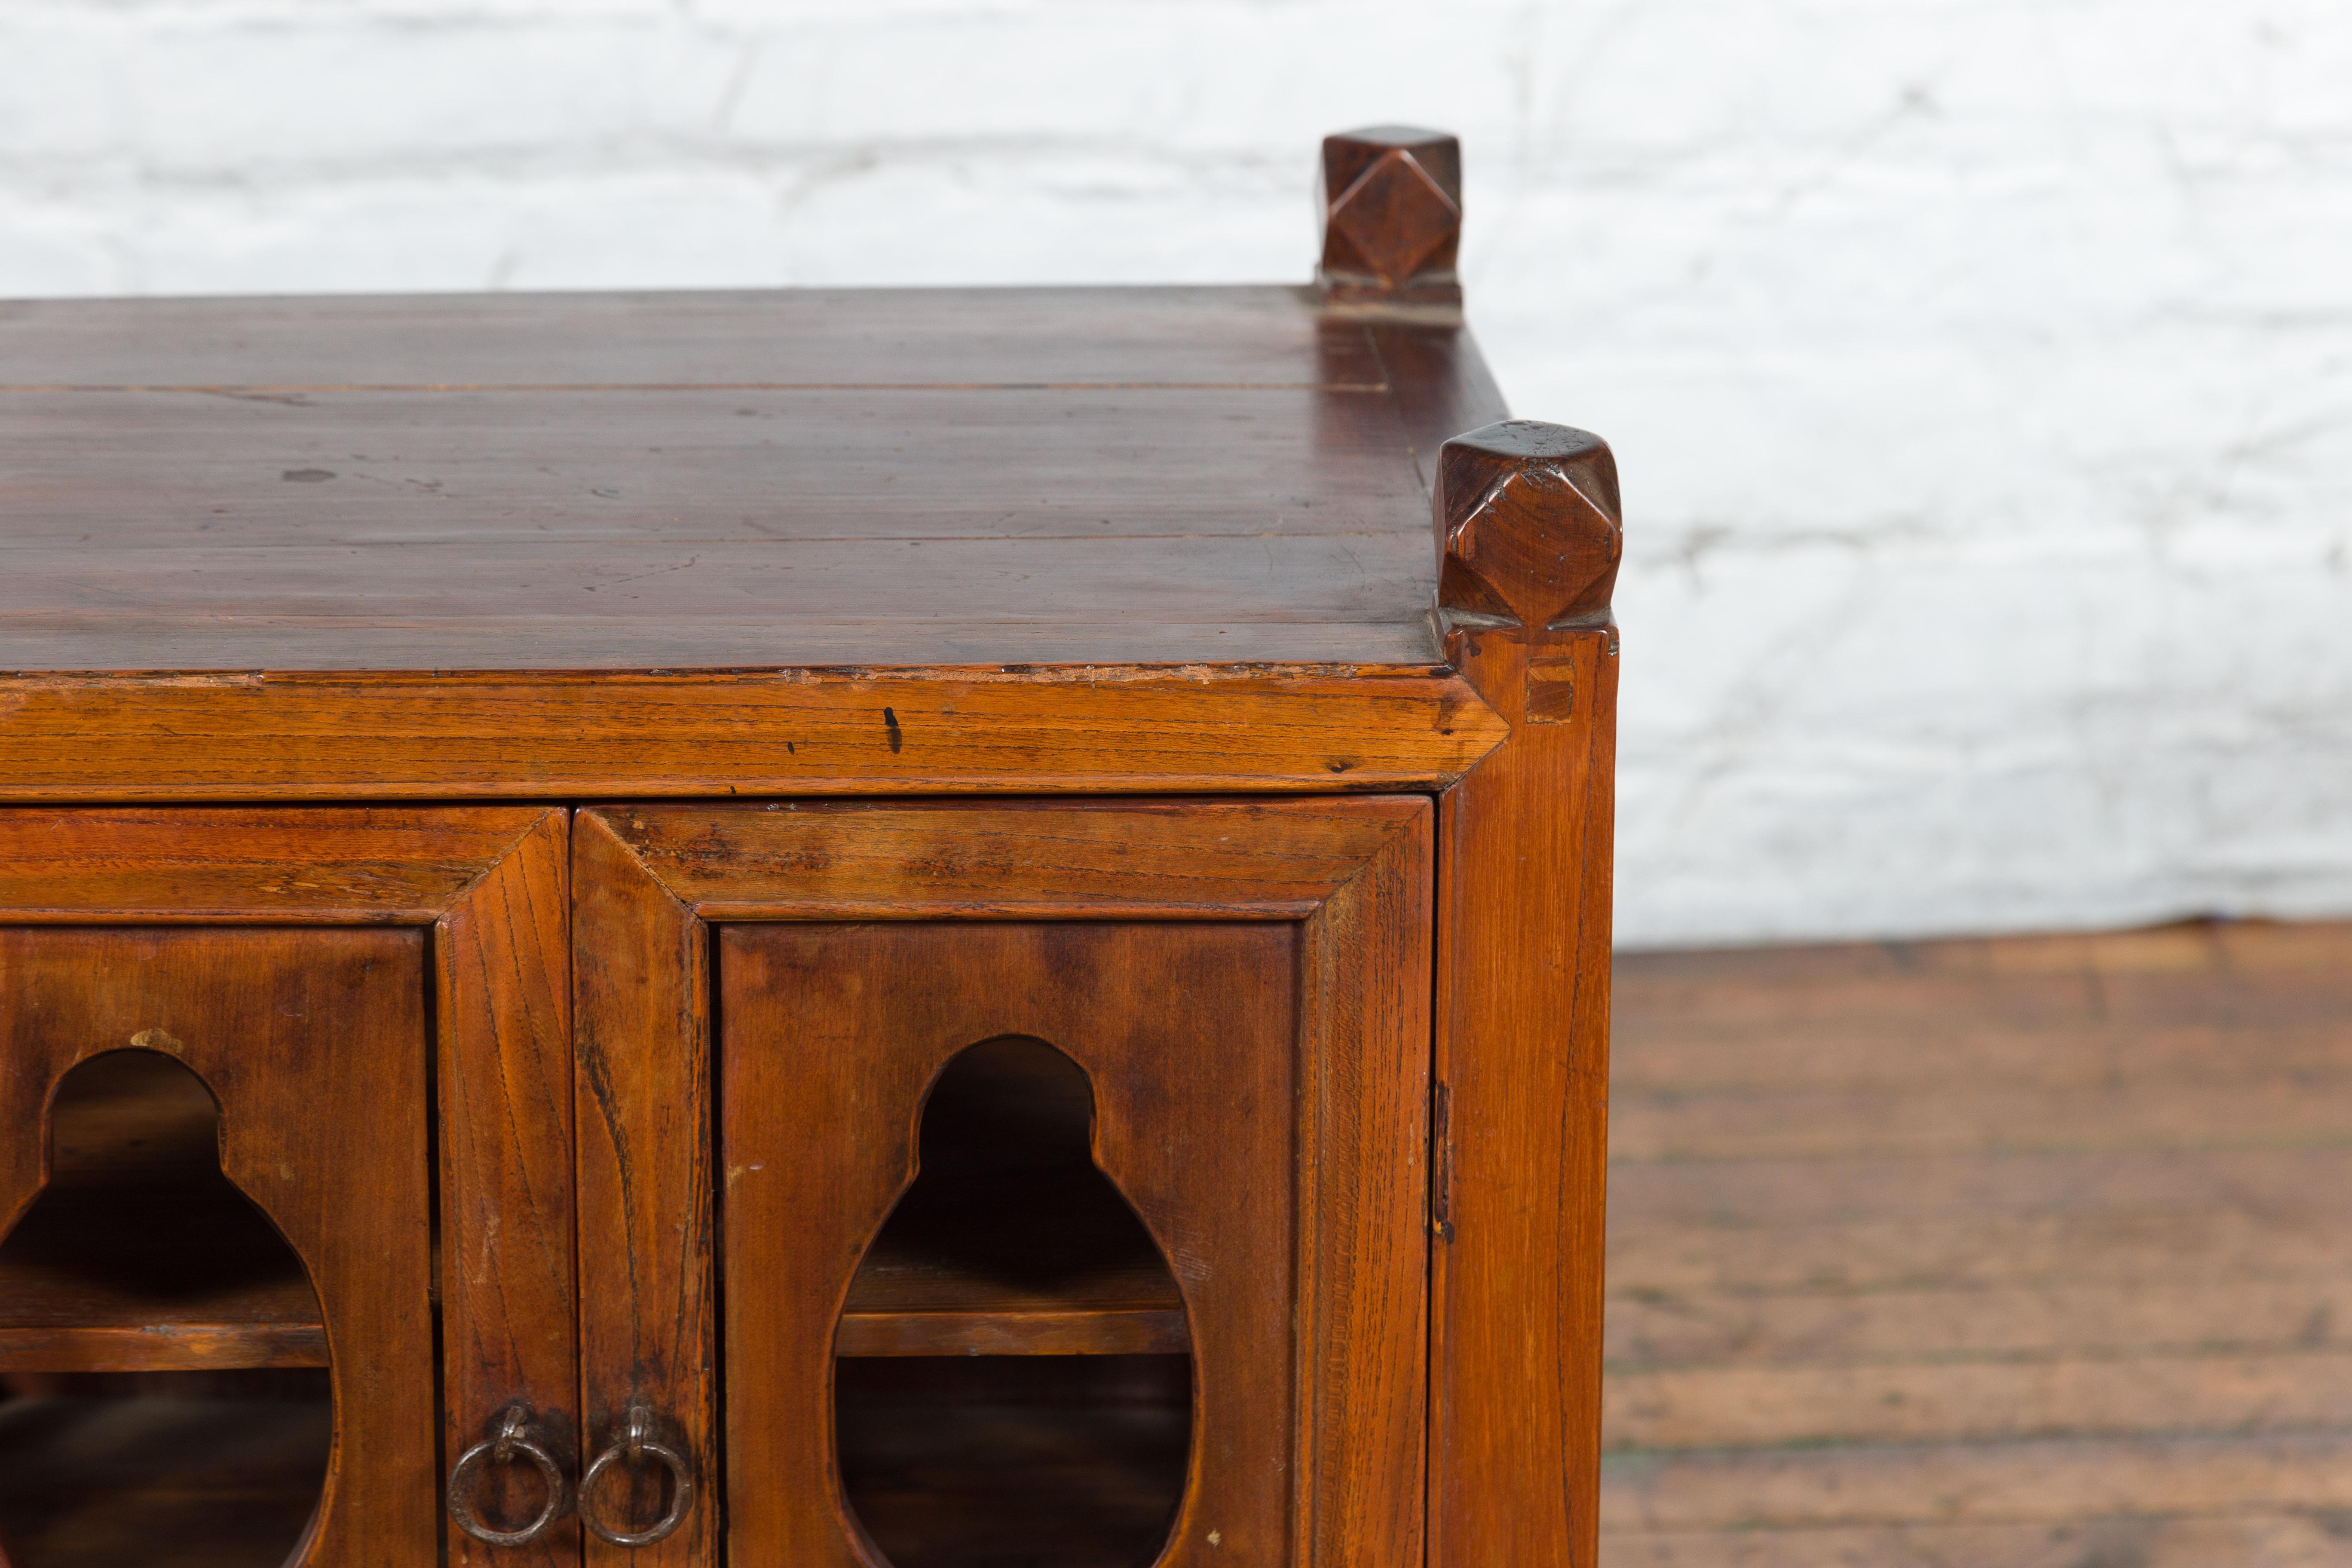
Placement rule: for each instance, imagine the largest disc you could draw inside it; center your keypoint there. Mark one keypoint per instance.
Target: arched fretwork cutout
(984, 1412)
(240, 1113)
(844, 1049)
(167, 1383)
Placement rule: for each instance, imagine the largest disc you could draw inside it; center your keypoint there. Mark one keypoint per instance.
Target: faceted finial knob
(1528, 528)
(1392, 202)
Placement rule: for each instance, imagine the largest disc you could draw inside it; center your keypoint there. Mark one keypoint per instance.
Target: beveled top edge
(1194, 672)
(1266, 294)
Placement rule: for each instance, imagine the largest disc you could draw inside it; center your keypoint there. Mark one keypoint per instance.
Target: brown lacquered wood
(1314, 599)
(476, 486)
(1105, 338)
(1098, 859)
(592, 475)
(313, 1043)
(502, 954)
(1526, 521)
(1392, 208)
(1443, 386)
(642, 1021)
(1527, 528)
(1187, 1034)
(161, 865)
(551, 735)
(1364, 1192)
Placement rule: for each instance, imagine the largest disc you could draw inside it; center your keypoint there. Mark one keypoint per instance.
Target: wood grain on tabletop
(313, 1044)
(719, 481)
(1443, 387)
(985, 337)
(2054, 1272)
(719, 604)
(576, 472)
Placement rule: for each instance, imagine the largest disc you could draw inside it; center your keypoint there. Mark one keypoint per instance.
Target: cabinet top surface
(717, 481)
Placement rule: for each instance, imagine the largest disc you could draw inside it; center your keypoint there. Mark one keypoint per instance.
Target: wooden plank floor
(2024, 1253)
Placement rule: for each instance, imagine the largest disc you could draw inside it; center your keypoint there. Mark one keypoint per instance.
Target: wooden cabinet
(835, 928)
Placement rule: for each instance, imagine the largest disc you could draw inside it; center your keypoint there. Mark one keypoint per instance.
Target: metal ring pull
(638, 1443)
(518, 1437)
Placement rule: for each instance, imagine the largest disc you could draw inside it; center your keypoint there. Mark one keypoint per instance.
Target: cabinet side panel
(503, 961)
(641, 1007)
(1523, 1052)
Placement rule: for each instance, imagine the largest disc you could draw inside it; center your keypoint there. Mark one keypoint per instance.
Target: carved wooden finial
(1528, 530)
(1391, 201)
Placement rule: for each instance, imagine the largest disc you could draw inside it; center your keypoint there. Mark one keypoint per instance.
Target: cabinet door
(1060, 1184)
(230, 1042)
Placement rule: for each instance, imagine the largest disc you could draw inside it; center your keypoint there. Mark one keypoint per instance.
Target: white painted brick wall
(1981, 371)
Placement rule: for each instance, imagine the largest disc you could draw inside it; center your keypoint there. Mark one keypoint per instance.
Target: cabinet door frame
(1355, 873)
(491, 886)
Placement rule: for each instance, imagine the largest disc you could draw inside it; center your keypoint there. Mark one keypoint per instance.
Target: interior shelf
(1028, 1265)
(1013, 1382)
(187, 1286)
(159, 1482)
(140, 1256)
(1032, 1464)
(1010, 1242)
(1017, 1262)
